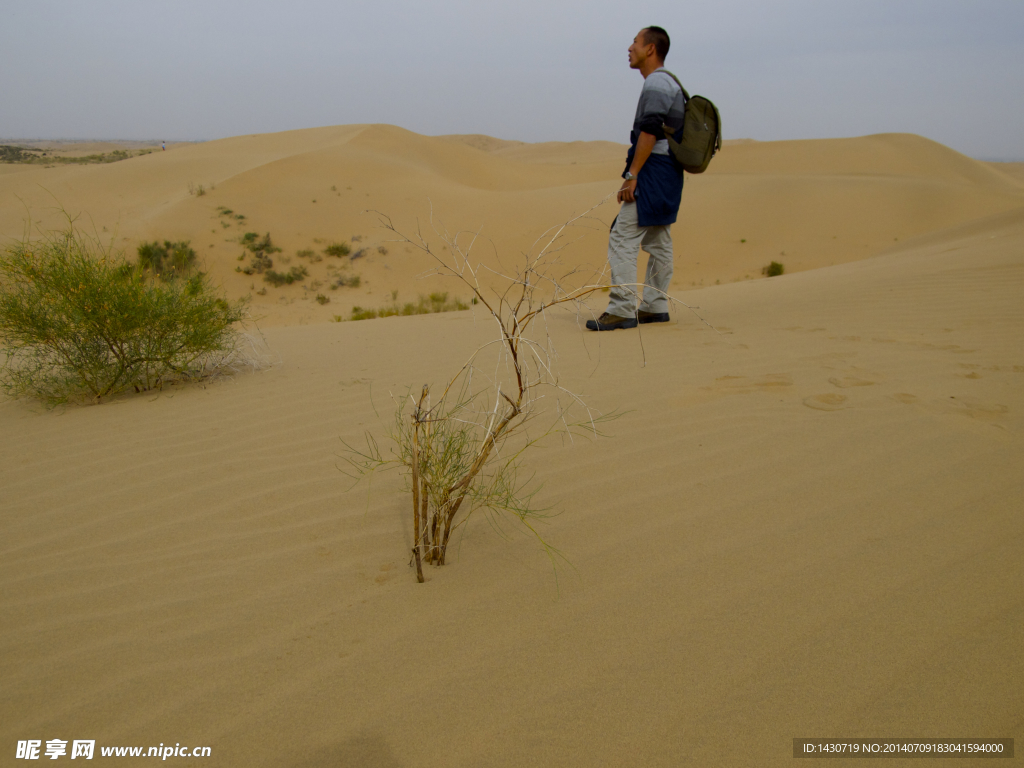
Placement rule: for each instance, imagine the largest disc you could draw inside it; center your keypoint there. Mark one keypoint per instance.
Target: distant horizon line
(66, 140)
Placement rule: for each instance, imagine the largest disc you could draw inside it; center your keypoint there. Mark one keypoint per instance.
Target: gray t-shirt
(661, 101)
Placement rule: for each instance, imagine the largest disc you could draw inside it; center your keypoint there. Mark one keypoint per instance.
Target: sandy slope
(1014, 170)
(806, 523)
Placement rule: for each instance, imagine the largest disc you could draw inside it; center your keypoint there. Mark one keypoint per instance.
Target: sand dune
(806, 523)
(804, 204)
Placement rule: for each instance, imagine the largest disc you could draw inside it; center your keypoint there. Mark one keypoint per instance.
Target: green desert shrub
(342, 281)
(294, 275)
(168, 260)
(78, 321)
(337, 250)
(772, 270)
(259, 263)
(257, 244)
(261, 248)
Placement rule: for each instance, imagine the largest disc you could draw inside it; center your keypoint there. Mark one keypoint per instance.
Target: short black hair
(659, 37)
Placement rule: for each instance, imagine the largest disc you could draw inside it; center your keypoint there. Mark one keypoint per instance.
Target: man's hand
(627, 194)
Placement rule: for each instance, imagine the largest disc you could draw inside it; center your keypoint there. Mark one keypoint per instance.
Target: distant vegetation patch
(224, 211)
(345, 281)
(427, 305)
(10, 153)
(257, 244)
(772, 270)
(261, 248)
(337, 250)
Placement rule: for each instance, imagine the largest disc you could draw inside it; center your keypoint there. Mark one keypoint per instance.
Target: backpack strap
(686, 96)
(666, 128)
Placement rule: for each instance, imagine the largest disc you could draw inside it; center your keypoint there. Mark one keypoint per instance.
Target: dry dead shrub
(463, 449)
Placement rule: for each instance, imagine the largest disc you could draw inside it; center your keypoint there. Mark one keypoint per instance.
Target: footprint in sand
(826, 402)
(386, 573)
(849, 381)
(987, 412)
(905, 397)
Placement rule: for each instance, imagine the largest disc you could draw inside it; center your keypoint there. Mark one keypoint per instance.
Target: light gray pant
(624, 243)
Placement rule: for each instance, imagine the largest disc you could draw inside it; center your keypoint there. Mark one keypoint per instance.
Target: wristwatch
(629, 176)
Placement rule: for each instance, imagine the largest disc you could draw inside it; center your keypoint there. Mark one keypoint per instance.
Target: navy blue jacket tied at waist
(659, 189)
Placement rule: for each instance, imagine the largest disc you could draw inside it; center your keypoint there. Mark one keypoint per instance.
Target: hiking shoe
(608, 322)
(652, 317)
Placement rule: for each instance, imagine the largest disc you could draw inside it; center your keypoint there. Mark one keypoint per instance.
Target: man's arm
(644, 146)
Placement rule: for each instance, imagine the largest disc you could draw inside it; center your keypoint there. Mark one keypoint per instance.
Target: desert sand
(807, 520)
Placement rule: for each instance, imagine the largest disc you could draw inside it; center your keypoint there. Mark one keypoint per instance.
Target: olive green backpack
(701, 132)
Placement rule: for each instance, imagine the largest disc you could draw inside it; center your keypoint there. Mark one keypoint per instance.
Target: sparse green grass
(337, 250)
(427, 305)
(257, 244)
(259, 264)
(261, 248)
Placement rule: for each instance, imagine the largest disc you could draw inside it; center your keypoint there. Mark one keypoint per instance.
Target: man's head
(649, 49)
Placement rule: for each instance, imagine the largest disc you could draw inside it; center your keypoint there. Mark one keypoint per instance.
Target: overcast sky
(534, 70)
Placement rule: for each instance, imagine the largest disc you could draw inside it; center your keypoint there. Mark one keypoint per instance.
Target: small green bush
(258, 264)
(358, 313)
(322, 299)
(167, 261)
(294, 275)
(258, 244)
(337, 250)
(341, 281)
(78, 321)
(772, 270)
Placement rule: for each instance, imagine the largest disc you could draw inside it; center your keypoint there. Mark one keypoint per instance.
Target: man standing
(650, 195)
